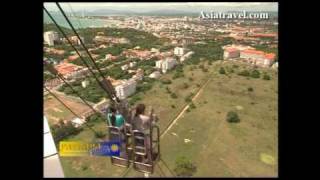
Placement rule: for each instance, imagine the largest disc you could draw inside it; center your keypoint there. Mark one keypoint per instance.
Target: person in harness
(115, 119)
(142, 123)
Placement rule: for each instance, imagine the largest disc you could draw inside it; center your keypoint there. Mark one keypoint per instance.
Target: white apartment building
(125, 89)
(166, 64)
(159, 64)
(50, 37)
(179, 51)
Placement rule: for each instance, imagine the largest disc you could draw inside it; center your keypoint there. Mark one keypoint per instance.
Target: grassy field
(217, 148)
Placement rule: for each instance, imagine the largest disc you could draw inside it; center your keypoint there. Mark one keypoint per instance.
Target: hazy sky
(145, 7)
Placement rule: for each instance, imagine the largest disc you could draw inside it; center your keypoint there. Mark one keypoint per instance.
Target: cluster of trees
(137, 38)
(172, 94)
(117, 73)
(63, 130)
(143, 87)
(244, 73)
(211, 51)
(93, 92)
(189, 97)
(178, 71)
(254, 74)
(133, 99)
(146, 65)
(165, 81)
(266, 76)
(192, 106)
(115, 50)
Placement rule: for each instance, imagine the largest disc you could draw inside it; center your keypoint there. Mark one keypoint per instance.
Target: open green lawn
(161, 101)
(218, 148)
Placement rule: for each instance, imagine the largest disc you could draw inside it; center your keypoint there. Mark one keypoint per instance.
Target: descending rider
(117, 120)
(142, 123)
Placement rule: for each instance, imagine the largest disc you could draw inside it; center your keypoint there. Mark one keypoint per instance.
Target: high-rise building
(50, 37)
(126, 88)
(179, 51)
(166, 64)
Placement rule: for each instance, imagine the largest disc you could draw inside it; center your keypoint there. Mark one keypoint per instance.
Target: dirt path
(185, 108)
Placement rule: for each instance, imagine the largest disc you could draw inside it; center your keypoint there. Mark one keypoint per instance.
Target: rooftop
(66, 68)
(270, 56)
(230, 49)
(251, 51)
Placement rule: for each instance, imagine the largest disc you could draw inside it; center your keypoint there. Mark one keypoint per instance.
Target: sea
(78, 22)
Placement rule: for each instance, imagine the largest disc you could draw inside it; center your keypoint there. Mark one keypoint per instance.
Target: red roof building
(67, 68)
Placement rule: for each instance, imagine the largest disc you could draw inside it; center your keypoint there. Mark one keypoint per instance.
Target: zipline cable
(55, 72)
(108, 85)
(51, 93)
(63, 33)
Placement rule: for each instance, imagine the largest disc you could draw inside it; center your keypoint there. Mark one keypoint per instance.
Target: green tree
(266, 77)
(192, 106)
(233, 117)
(222, 71)
(184, 167)
(173, 95)
(166, 81)
(100, 134)
(63, 130)
(185, 85)
(244, 73)
(255, 74)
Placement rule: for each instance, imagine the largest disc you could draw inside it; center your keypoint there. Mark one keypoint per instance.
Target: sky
(146, 7)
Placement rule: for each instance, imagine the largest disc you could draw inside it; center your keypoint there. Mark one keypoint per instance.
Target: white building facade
(166, 64)
(179, 51)
(126, 89)
(50, 37)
